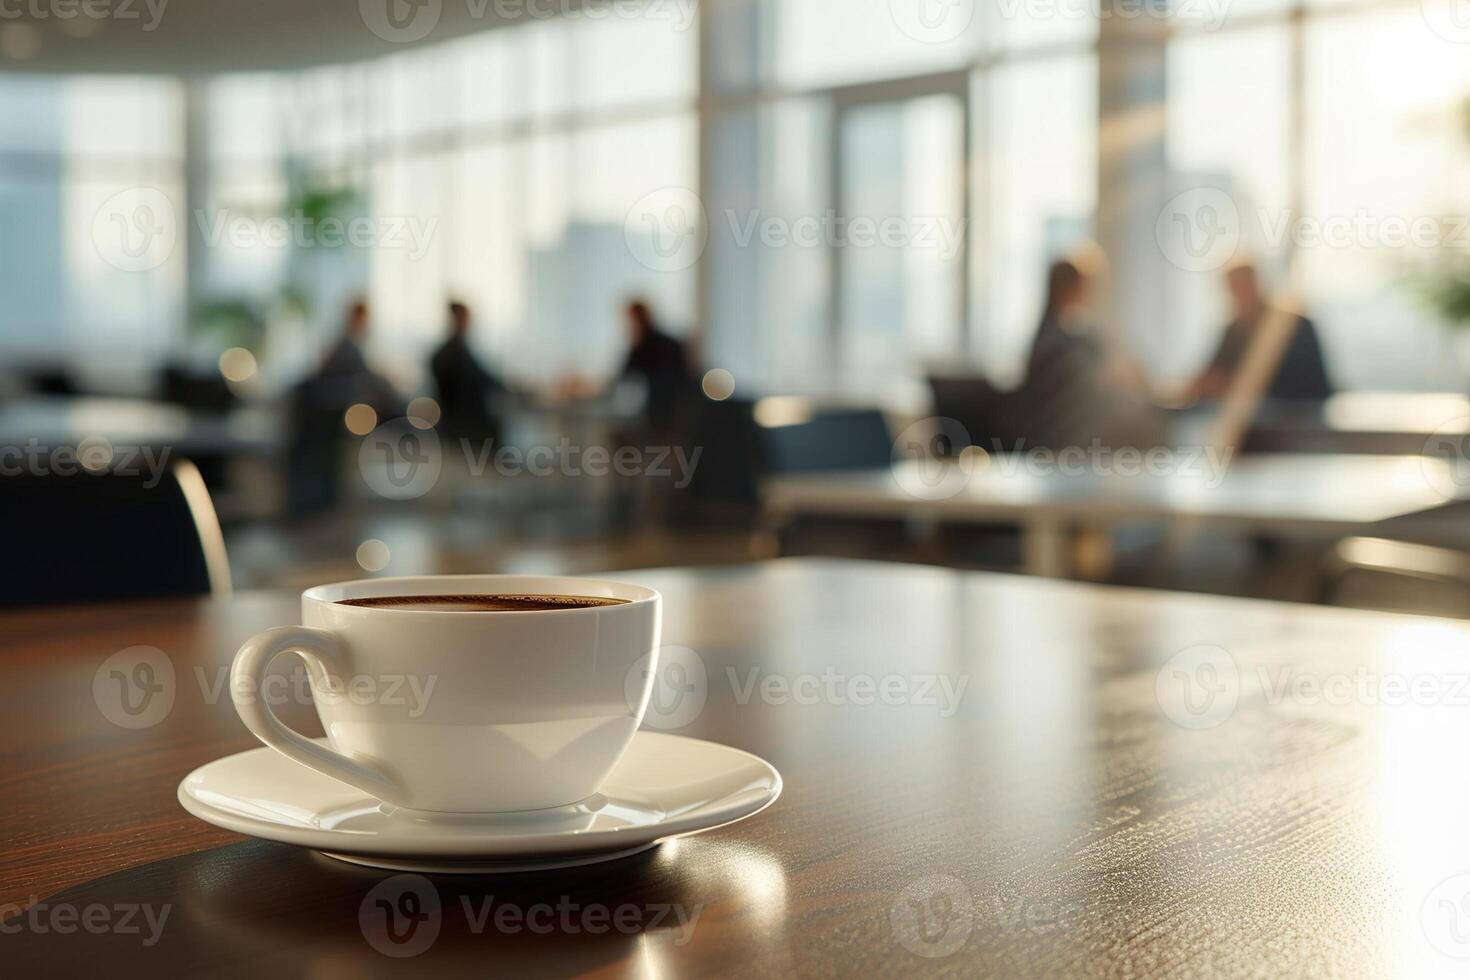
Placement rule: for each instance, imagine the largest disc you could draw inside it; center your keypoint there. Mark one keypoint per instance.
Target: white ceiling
(205, 36)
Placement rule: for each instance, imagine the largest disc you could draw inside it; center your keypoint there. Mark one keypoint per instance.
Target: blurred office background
(544, 164)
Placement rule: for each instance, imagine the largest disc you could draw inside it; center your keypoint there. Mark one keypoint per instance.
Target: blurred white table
(1374, 422)
(137, 422)
(1279, 495)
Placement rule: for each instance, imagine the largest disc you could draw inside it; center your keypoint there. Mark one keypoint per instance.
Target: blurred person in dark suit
(466, 388)
(661, 363)
(318, 405)
(344, 376)
(1302, 374)
(1075, 390)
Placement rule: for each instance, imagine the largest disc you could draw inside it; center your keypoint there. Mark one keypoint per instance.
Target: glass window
(1012, 25)
(769, 307)
(492, 78)
(1229, 128)
(832, 42)
(123, 270)
(91, 205)
(625, 61)
(244, 119)
(1385, 153)
(409, 272)
(1039, 174)
(31, 106)
(123, 116)
(899, 249)
(487, 250)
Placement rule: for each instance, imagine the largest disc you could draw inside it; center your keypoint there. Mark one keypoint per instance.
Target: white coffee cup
(510, 710)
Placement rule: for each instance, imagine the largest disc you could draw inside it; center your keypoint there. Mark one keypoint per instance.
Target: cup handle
(319, 649)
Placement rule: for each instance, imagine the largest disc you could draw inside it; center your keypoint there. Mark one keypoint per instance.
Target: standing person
(317, 407)
(661, 363)
(344, 377)
(466, 388)
(1302, 374)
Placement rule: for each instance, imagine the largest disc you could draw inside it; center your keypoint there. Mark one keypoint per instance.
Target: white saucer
(664, 786)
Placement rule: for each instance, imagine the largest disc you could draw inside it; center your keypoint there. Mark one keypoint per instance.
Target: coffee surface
(481, 602)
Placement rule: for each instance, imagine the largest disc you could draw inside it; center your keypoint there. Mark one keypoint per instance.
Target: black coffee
(481, 603)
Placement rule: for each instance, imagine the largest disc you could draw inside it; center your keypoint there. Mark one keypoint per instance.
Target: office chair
(724, 487)
(992, 417)
(828, 440)
(94, 537)
(833, 440)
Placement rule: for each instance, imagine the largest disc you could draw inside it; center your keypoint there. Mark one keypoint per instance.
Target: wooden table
(1280, 495)
(1085, 807)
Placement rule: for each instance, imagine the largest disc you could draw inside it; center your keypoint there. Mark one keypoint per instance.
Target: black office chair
(93, 537)
(834, 440)
(993, 418)
(178, 385)
(724, 488)
(995, 421)
(828, 440)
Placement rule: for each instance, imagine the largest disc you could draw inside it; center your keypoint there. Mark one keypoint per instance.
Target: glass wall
(902, 173)
(839, 193)
(500, 169)
(88, 170)
(1338, 134)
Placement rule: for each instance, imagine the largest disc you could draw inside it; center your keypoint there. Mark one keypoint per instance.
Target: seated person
(1074, 391)
(1301, 375)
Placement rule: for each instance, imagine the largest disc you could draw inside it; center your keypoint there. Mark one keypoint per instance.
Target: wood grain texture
(1059, 822)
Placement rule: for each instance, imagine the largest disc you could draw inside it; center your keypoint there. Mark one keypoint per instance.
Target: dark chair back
(724, 486)
(993, 419)
(85, 537)
(201, 392)
(830, 440)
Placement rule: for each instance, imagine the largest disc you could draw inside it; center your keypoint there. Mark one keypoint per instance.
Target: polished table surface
(985, 775)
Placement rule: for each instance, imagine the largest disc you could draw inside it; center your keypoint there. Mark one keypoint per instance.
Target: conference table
(1381, 422)
(1050, 497)
(137, 423)
(985, 775)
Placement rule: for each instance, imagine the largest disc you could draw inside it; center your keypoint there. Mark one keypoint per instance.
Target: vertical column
(196, 198)
(1133, 178)
(727, 279)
